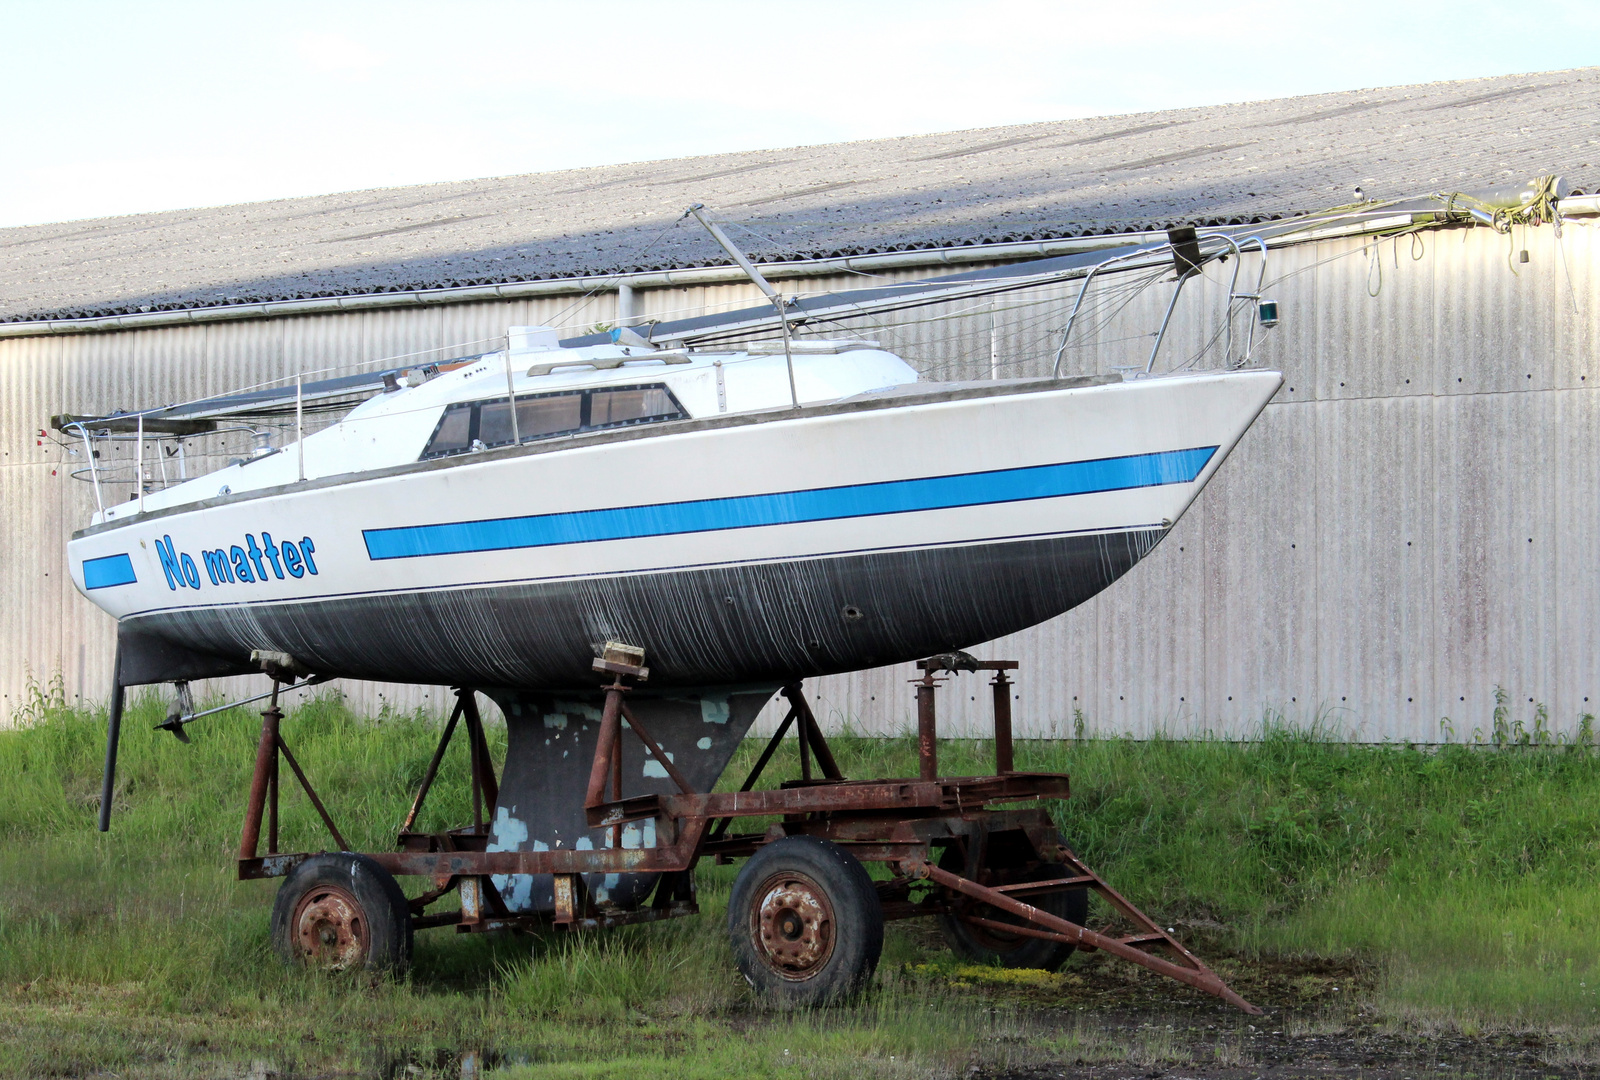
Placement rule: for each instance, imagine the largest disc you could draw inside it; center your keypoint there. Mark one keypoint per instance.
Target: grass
(1459, 881)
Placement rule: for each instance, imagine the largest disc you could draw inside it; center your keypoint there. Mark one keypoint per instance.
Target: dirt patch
(1101, 984)
(1105, 1020)
(1277, 1054)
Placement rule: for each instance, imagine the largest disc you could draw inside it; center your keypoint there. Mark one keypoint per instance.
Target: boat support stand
(954, 846)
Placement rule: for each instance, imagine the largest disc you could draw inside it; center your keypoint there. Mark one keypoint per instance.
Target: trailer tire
(341, 912)
(986, 946)
(805, 923)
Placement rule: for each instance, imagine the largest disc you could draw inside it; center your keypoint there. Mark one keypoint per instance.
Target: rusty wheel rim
(330, 929)
(792, 925)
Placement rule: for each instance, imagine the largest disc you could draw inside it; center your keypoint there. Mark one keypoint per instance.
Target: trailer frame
(935, 835)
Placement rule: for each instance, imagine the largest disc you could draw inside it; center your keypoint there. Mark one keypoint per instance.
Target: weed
(1229, 1051)
(1501, 730)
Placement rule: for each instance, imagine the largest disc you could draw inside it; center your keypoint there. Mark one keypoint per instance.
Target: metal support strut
(264, 787)
(1187, 968)
(108, 781)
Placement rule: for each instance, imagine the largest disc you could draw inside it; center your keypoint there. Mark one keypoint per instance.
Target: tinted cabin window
(552, 415)
(542, 416)
(633, 405)
(537, 418)
(454, 433)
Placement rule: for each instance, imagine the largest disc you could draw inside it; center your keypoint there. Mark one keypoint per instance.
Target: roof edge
(573, 286)
(1297, 231)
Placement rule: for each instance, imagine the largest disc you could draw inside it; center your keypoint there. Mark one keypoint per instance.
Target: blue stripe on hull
(107, 571)
(792, 507)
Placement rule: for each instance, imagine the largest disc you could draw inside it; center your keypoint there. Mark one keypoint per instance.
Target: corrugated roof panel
(1237, 162)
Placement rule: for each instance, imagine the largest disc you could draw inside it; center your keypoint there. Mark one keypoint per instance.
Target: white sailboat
(756, 512)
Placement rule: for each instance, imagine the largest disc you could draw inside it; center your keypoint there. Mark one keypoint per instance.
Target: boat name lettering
(238, 563)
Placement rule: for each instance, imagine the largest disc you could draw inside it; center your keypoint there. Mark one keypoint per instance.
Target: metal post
(299, 423)
(272, 808)
(1261, 276)
(477, 779)
(656, 752)
(94, 468)
(433, 767)
(113, 737)
(1162, 333)
(772, 748)
(138, 463)
(803, 733)
(1233, 289)
(761, 763)
(316, 803)
(491, 788)
(788, 357)
(761, 283)
(1002, 723)
(994, 343)
(266, 758)
(1083, 290)
(511, 396)
(927, 734)
(566, 899)
(819, 745)
(616, 787)
(609, 743)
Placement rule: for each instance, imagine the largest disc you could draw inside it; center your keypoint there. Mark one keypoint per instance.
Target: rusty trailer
(979, 853)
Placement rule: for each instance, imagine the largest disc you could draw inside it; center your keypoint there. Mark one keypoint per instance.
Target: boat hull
(728, 624)
(736, 550)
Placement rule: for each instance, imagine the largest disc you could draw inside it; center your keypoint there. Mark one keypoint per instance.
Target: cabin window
(633, 405)
(549, 415)
(543, 416)
(537, 418)
(454, 433)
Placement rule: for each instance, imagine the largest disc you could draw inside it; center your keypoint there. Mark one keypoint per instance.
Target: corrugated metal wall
(1413, 522)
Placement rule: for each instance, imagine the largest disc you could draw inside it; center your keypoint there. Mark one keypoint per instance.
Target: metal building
(1412, 525)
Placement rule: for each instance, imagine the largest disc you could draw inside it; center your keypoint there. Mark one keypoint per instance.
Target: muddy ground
(1273, 1053)
(1317, 1022)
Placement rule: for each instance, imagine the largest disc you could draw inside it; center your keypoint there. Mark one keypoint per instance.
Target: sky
(119, 108)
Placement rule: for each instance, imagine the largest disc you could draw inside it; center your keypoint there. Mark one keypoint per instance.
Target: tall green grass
(1469, 874)
(1463, 877)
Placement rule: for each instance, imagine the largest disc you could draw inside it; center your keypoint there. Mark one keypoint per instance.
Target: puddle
(441, 1064)
(401, 1064)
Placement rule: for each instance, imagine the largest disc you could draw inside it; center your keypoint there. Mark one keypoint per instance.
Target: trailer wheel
(805, 922)
(341, 912)
(988, 946)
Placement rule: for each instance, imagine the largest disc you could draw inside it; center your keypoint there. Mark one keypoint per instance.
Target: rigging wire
(1103, 306)
(641, 253)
